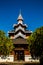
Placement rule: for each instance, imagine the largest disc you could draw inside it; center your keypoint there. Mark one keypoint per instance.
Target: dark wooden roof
(23, 25)
(13, 31)
(28, 31)
(20, 41)
(19, 49)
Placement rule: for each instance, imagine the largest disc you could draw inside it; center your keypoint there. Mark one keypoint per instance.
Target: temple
(19, 36)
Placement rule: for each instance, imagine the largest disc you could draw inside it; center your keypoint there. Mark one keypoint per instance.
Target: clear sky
(32, 12)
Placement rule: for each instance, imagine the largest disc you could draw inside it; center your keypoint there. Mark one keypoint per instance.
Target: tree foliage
(36, 43)
(6, 45)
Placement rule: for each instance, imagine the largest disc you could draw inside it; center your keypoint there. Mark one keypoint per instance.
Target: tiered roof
(20, 28)
(16, 25)
(26, 31)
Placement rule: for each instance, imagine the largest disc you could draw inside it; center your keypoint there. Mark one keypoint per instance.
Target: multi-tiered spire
(20, 28)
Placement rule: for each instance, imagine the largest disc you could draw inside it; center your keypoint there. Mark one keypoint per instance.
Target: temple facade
(19, 36)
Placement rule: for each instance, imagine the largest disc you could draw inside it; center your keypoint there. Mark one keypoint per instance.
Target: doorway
(19, 54)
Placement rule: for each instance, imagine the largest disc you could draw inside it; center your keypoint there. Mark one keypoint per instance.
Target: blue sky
(32, 12)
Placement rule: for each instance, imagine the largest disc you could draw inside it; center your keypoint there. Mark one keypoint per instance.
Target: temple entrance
(19, 55)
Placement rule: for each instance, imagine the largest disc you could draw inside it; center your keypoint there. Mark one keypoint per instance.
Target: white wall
(9, 58)
(28, 58)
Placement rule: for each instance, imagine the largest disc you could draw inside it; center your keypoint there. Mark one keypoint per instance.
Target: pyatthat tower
(19, 36)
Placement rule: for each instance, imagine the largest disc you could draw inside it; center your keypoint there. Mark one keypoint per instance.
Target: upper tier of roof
(26, 31)
(16, 25)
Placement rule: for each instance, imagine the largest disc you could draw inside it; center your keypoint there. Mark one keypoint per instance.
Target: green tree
(6, 45)
(36, 43)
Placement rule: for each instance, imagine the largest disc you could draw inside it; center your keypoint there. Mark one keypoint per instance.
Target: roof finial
(20, 11)
(20, 16)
